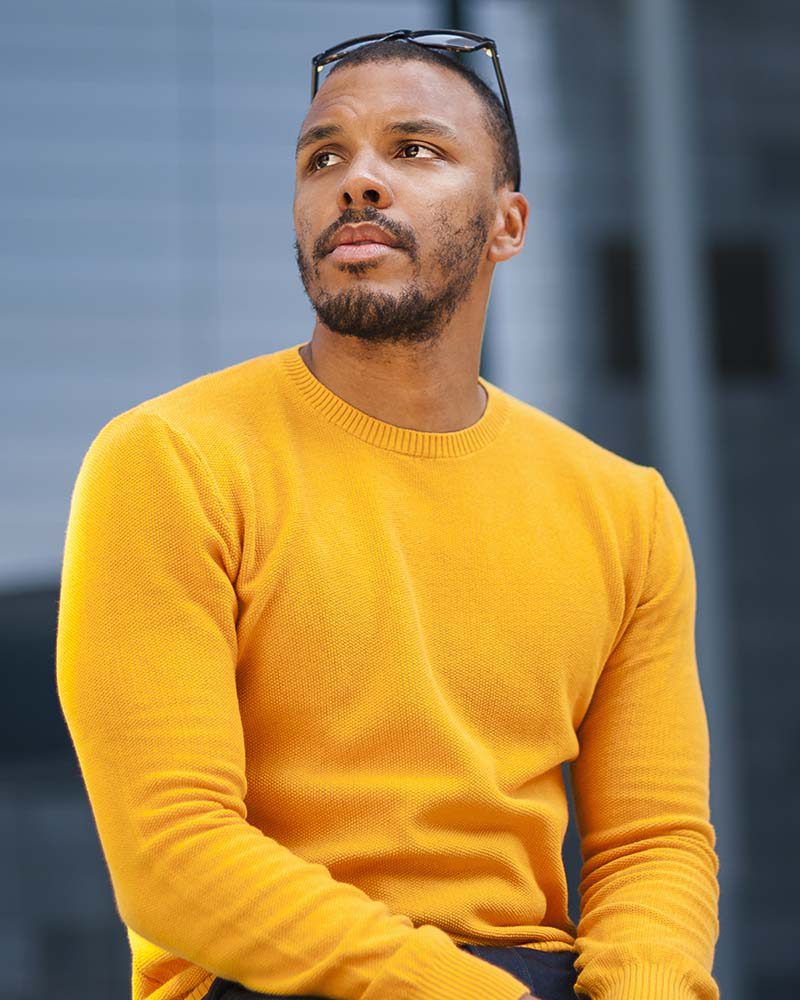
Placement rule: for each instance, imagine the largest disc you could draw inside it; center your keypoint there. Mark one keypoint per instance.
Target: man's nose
(362, 185)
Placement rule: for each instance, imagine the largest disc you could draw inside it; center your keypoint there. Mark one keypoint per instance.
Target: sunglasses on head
(454, 41)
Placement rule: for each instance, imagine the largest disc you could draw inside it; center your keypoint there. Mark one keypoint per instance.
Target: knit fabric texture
(321, 672)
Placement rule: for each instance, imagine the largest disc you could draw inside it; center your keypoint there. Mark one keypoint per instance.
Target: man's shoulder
(217, 410)
(218, 422)
(218, 399)
(582, 478)
(568, 451)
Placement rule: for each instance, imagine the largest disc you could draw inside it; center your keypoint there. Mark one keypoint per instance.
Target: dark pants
(549, 975)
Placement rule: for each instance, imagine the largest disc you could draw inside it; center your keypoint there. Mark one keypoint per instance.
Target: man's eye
(417, 145)
(408, 145)
(315, 159)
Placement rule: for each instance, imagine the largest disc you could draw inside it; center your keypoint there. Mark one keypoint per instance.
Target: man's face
(432, 193)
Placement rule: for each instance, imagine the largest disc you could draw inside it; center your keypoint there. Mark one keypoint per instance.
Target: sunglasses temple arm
(502, 83)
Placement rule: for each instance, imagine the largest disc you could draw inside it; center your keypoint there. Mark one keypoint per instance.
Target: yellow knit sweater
(320, 673)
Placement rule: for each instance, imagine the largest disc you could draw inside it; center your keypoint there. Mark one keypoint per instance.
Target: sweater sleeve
(146, 657)
(649, 892)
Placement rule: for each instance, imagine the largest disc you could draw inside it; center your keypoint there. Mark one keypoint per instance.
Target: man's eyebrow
(417, 126)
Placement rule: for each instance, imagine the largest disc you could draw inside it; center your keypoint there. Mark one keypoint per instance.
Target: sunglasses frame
(488, 44)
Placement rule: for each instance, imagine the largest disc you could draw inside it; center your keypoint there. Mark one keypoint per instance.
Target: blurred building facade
(146, 182)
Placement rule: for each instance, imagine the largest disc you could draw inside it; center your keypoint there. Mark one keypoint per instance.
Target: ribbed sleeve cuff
(430, 966)
(647, 982)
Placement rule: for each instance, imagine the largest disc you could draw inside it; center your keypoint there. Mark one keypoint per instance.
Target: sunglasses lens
(465, 43)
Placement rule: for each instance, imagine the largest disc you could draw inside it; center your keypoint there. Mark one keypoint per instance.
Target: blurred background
(146, 184)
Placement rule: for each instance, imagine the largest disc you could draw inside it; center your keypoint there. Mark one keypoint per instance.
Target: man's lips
(362, 232)
(360, 251)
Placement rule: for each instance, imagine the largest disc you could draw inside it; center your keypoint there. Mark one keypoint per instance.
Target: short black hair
(497, 123)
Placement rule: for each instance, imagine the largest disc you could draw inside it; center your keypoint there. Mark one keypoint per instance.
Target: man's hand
(528, 996)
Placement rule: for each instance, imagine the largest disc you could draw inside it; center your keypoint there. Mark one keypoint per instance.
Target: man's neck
(436, 396)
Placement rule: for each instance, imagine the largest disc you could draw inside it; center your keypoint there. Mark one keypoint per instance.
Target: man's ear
(510, 238)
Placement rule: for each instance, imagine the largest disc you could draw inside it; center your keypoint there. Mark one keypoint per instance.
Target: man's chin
(378, 296)
(345, 276)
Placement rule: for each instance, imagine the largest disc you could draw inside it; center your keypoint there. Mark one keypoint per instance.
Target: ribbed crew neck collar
(424, 444)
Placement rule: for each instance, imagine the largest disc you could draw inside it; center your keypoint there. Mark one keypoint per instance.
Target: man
(332, 619)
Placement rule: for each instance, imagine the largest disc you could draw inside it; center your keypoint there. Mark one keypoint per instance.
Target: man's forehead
(377, 94)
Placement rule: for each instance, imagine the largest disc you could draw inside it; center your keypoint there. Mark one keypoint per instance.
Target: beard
(419, 312)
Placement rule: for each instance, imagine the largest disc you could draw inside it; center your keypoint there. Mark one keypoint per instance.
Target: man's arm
(146, 669)
(649, 891)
